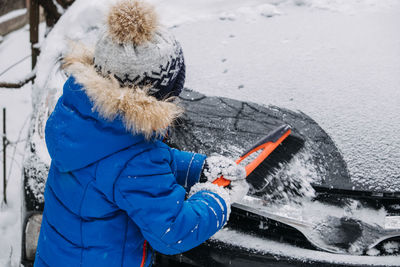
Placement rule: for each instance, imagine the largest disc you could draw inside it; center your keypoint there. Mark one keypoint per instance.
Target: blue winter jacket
(109, 190)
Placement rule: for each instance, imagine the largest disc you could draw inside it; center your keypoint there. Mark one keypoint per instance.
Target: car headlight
(32, 230)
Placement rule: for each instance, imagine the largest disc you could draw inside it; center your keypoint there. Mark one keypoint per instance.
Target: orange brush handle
(221, 181)
(267, 150)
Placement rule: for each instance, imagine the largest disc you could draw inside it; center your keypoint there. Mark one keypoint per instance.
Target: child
(115, 191)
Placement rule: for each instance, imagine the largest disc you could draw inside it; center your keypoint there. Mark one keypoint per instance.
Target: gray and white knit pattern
(154, 62)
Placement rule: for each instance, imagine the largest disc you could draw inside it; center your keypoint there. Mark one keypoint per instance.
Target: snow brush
(267, 144)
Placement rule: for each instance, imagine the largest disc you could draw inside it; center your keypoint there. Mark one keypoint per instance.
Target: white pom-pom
(132, 22)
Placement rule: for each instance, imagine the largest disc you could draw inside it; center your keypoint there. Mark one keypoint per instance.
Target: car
(225, 126)
(264, 229)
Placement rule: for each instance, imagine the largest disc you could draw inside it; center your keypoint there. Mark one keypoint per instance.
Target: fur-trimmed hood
(95, 117)
(140, 112)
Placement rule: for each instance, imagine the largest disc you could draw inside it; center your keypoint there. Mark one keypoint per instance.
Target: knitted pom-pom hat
(137, 51)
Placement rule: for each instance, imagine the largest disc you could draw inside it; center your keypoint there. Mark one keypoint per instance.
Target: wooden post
(4, 158)
(34, 29)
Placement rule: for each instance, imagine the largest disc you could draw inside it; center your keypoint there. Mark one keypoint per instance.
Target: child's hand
(217, 166)
(237, 190)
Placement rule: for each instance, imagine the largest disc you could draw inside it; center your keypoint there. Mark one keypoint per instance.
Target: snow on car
(340, 69)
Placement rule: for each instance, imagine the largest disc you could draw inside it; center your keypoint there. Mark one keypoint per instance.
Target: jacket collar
(140, 112)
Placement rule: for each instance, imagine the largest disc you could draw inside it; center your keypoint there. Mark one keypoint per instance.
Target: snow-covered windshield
(337, 61)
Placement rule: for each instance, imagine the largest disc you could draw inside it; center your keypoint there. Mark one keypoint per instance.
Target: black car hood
(228, 127)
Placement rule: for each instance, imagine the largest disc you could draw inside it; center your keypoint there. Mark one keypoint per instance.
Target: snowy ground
(336, 60)
(15, 48)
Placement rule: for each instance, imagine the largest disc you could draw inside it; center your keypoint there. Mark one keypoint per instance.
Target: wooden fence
(13, 15)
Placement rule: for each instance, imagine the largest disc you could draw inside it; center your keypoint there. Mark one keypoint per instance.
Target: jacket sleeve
(148, 192)
(189, 167)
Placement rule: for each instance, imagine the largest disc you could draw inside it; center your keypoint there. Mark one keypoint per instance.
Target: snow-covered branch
(18, 84)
